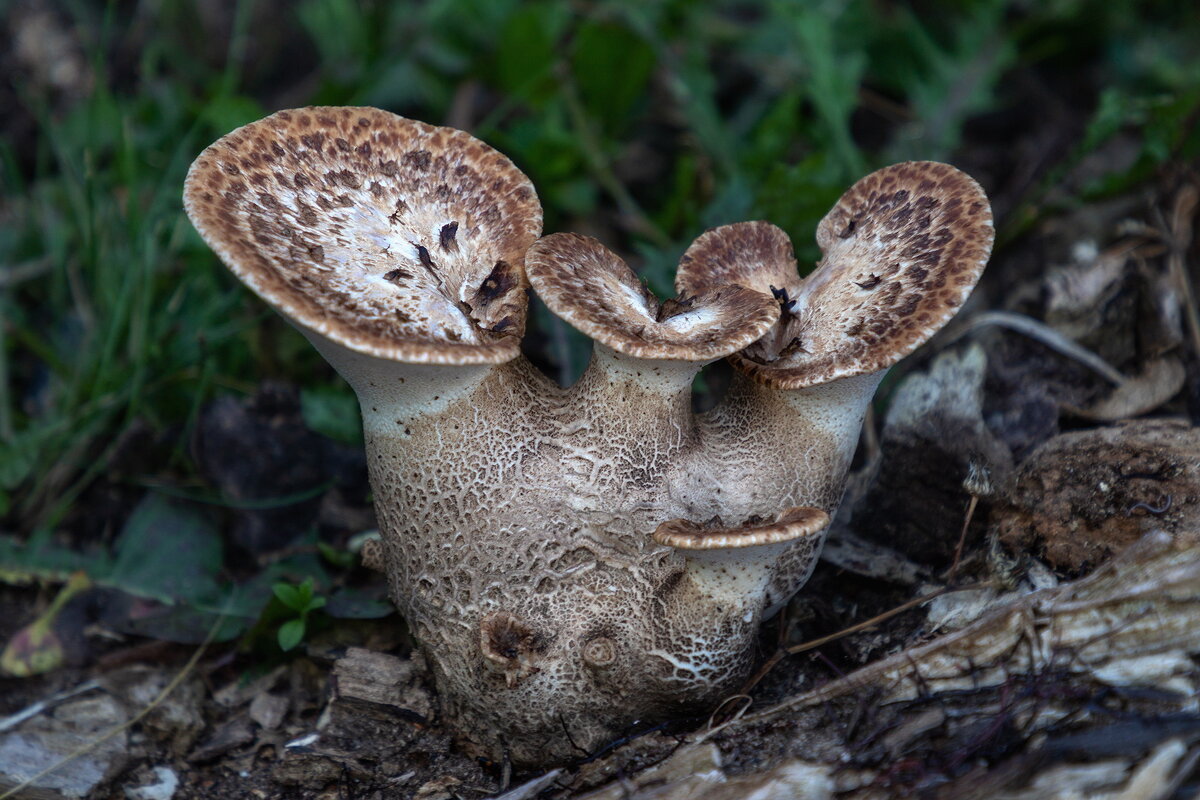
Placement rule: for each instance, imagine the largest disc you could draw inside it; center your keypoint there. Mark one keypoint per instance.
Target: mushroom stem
(728, 573)
(734, 578)
(636, 415)
(410, 390)
(765, 449)
(627, 384)
(773, 448)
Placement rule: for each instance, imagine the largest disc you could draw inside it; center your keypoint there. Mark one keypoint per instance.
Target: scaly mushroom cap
(757, 255)
(793, 523)
(595, 291)
(391, 237)
(903, 248)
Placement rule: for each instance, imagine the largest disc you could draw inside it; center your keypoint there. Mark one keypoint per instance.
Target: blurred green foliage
(642, 121)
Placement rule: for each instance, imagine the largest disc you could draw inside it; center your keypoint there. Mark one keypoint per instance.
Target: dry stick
(1041, 332)
(978, 482)
(861, 626)
(113, 731)
(962, 537)
(1182, 771)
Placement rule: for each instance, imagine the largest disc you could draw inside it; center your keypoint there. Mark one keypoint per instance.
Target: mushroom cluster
(575, 560)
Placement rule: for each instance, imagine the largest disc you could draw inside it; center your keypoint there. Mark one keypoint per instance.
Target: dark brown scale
(400, 209)
(498, 282)
(869, 283)
(397, 275)
(672, 307)
(447, 236)
(418, 159)
(426, 259)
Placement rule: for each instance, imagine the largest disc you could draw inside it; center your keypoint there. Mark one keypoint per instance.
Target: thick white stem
(633, 419)
(733, 577)
(765, 449)
(615, 384)
(385, 388)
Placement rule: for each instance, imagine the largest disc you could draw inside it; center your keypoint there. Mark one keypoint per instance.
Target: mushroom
(727, 576)
(541, 541)
(902, 250)
(634, 400)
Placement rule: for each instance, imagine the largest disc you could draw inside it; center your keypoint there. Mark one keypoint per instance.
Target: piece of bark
(1008, 680)
(1159, 381)
(364, 677)
(232, 734)
(1085, 495)
(268, 710)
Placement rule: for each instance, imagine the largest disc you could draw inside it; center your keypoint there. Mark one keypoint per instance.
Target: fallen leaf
(1156, 384)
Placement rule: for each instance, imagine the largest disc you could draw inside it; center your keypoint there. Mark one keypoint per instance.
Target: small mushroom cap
(391, 237)
(757, 255)
(595, 291)
(903, 248)
(793, 523)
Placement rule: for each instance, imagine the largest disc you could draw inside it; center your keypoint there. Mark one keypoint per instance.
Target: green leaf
(834, 68)
(40, 559)
(18, 456)
(227, 112)
(339, 558)
(291, 633)
(182, 624)
(168, 551)
(1114, 109)
(289, 595)
(333, 411)
(526, 48)
(37, 648)
(298, 598)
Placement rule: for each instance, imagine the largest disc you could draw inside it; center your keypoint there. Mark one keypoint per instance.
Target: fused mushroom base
(575, 560)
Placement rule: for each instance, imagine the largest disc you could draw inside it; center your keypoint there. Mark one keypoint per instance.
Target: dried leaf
(1156, 384)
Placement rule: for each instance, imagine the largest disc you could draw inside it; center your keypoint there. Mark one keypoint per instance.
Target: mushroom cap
(595, 291)
(902, 250)
(757, 255)
(793, 523)
(389, 236)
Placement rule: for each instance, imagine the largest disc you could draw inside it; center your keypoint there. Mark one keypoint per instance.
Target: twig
(962, 537)
(13, 720)
(1041, 332)
(977, 483)
(778, 655)
(873, 621)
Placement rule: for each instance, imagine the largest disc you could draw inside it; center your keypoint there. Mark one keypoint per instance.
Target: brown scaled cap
(595, 291)
(903, 248)
(794, 523)
(391, 237)
(757, 255)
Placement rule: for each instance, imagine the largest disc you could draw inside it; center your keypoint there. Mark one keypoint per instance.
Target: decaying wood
(1090, 683)
(1145, 602)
